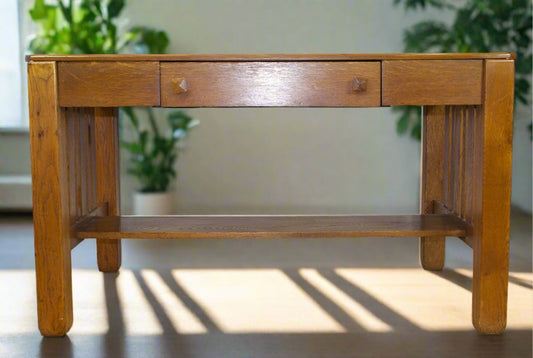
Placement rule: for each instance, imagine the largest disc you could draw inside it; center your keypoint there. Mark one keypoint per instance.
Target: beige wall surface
(294, 160)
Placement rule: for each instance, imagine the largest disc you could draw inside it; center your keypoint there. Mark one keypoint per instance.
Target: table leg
(492, 197)
(50, 201)
(432, 181)
(108, 182)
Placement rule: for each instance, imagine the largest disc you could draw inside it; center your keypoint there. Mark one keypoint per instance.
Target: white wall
(522, 169)
(295, 160)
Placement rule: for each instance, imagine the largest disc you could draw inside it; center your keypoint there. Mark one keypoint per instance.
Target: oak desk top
(275, 80)
(277, 57)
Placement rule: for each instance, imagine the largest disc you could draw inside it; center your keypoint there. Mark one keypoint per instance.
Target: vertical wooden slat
(86, 159)
(87, 156)
(448, 156)
(78, 162)
(71, 144)
(454, 159)
(48, 130)
(108, 181)
(432, 185)
(460, 194)
(492, 198)
(93, 136)
(460, 159)
(83, 159)
(92, 160)
(469, 162)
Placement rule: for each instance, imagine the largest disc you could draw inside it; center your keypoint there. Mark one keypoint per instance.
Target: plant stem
(153, 123)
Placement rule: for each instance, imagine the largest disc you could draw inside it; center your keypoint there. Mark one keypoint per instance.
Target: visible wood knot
(40, 134)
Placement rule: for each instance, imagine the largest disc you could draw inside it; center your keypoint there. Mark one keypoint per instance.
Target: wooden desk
(465, 167)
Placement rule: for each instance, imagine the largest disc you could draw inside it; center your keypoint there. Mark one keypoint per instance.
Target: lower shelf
(268, 226)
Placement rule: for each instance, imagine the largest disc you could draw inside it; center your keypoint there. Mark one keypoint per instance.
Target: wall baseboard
(15, 193)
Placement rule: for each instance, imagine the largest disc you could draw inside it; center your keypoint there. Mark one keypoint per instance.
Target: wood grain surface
(258, 84)
(431, 82)
(48, 137)
(108, 182)
(81, 152)
(108, 84)
(493, 138)
(466, 155)
(459, 158)
(173, 227)
(432, 249)
(276, 57)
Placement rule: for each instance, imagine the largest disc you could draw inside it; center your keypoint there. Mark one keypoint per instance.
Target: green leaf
(402, 124)
(416, 131)
(134, 148)
(38, 11)
(115, 7)
(523, 65)
(129, 112)
(150, 40)
(66, 11)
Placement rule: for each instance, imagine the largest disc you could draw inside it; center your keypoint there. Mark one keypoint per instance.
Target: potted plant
(89, 27)
(478, 26)
(152, 159)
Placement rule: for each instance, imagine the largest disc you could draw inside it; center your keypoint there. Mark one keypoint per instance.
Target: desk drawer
(108, 84)
(278, 84)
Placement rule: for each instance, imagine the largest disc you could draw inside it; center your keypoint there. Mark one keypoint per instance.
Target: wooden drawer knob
(179, 85)
(359, 84)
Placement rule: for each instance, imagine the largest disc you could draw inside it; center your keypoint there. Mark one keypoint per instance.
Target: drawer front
(276, 84)
(108, 84)
(432, 82)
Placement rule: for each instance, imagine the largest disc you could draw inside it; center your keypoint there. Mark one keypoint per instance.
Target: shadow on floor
(404, 340)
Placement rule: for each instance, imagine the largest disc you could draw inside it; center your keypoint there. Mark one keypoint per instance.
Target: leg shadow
(55, 347)
(189, 302)
(336, 312)
(378, 309)
(114, 339)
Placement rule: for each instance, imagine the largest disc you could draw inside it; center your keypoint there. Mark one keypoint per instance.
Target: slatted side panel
(459, 159)
(81, 158)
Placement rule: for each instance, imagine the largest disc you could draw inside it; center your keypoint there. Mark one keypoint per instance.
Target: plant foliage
(479, 26)
(89, 27)
(153, 155)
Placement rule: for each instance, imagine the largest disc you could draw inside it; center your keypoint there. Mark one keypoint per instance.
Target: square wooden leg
(492, 198)
(432, 249)
(50, 202)
(108, 182)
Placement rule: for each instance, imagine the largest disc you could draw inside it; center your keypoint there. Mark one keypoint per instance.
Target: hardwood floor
(265, 298)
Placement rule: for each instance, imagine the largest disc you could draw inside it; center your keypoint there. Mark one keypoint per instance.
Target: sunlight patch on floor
(139, 317)
(421, 297)
(432, 302)
(182, 319)
(255, 300)
(88, 297)
(18, 311)
(354, 309)
(258, 301)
